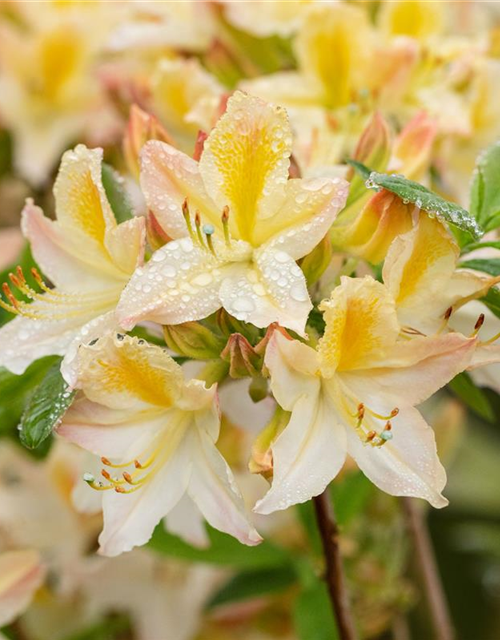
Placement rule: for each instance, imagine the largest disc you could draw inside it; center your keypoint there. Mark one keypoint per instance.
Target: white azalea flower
(263, 222)
(355, 394)
(157, 436)
(85, 254)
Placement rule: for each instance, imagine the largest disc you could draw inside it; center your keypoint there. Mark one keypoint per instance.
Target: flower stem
(436, 598)
(334, 574)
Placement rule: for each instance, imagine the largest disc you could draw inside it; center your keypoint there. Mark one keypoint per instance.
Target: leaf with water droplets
(485, 188)
(423, 198)
(45, 408)
(116, 193)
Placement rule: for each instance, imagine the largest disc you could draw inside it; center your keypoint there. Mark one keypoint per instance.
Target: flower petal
(126, 243)
(361, 324)
(304, 218)
(130, 519)
(293, 366)
(21, 573)
(245, 161)
(407, 465)
(307, 455)
(168, 177)
(213, 490)
(274, 290)
(186, 521)
(180, 283)
(123, 372)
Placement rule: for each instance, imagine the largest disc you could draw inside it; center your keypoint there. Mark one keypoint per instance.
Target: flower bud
(384, 217)
(243, 359)
(141, 127)
(228, 325)
(193, 340)
(157, 237)
(315, 263)
(261, 459)
(412, 149)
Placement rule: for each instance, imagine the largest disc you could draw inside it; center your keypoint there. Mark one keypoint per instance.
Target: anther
(370, 435)
(10, 296)
(448, 313)
(105, 461)
(137, 464)
(105, 474)
(127, 477)
(478, 325)
(187, 218)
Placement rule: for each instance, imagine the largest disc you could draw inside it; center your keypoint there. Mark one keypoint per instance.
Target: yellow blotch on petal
(245, 160)
(432, 243)
(361, 324)
(417, 19)
(332, 48)
(60, 56)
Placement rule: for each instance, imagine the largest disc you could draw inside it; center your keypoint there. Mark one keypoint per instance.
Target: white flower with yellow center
(239, 225)
(85, 254)
(355, 394)
(156, 435)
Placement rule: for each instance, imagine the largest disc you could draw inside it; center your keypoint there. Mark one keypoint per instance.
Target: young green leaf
(312, 615)
(490, 266)
(485, 188)
(45, 408)
(254, 584)
(474, 397)
(116, 194)
(492, 301)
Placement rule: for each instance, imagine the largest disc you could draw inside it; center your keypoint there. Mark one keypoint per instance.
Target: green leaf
(491, 265)
(361, 168)
(474, 397)
(254, 584)
(45, 408)
(494, 244)
(313, 616)
(485, 188)
(492, 301)
(116, 193)
(423, 198)
(350, 496)
(16, 390)
(117, 627)
(223, 550)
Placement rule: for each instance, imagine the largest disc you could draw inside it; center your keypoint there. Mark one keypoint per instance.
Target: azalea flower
(239, 225)
(156, 435)
(355, 394)
(85, 254)
(21, 573)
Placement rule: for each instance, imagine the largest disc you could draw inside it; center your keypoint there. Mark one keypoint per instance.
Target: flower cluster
(292, 247)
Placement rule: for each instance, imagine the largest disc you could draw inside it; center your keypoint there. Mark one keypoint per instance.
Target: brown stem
(436, 598)
(334, 574)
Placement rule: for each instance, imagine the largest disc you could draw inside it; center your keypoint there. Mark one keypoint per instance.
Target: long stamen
(187, 218)
(478, 325)
(197, 222)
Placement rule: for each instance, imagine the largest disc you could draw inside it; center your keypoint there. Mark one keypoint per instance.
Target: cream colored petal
(307, 455)
(70, 259)
(304, 218)
(126, 244)
(273, 290)
(213, 489)
(81, 201)
(418, 269)
(407, 465)
(245, 162)
(186, 521)
(288, 88)
(120, 371)
(180, 283)
(361, 325)
(168, 177)
(21, 573)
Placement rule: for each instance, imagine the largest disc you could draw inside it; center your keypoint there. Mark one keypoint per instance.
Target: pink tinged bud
(243, 359)
(193, 340)
(384, 217)
(157, 237)
(141, 127)
(412, 148)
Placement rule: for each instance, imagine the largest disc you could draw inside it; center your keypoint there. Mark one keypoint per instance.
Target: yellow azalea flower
(185, 98)
(417, 19)
(21, 573)
(157, 436)
(355, 394)
(264, 18)
(239, 225)
(432, 293)
(85, 254)
(48, 82)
